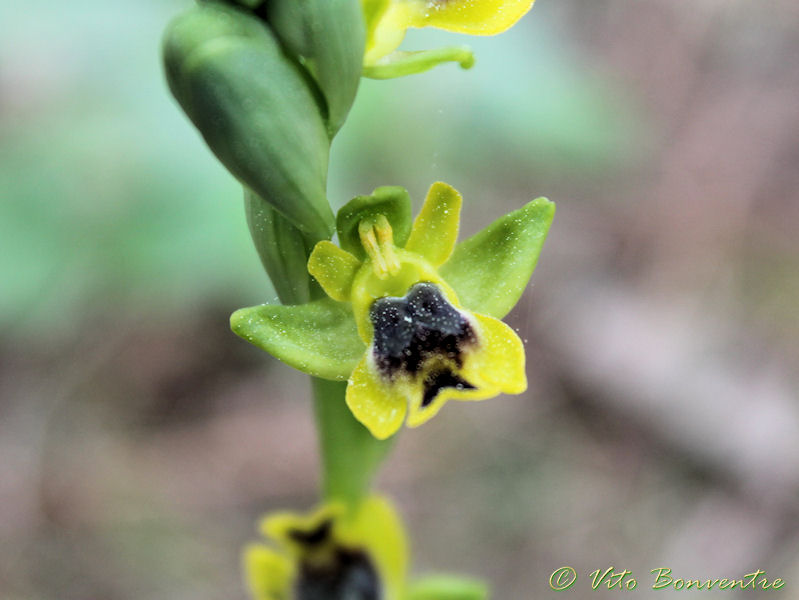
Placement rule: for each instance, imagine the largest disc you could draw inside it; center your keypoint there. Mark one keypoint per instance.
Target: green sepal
(329, 35)
(393, 202)
(446, 587)
(255, 109)
(400, 63)
(249, 4)
(490, 270)
(318, 338)
(281, 247)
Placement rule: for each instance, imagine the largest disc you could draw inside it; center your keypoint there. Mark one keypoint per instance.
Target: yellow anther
(377, 238)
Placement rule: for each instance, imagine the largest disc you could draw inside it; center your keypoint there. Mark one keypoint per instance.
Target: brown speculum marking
(343, 573)
(348, 575)
(437, 381)
(416, 330)
(314, 537)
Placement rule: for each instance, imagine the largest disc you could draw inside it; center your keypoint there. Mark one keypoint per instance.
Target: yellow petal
(334, 269)
(268, 574)
(475, 17)
(435, 229)
(379, 406)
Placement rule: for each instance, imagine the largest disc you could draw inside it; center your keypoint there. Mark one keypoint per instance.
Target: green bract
(255, 109)
(282, 248)
(461, 351)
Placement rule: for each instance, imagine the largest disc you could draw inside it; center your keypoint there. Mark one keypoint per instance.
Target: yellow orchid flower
(330, 553)
(388, 20)
(423, 347)
(412, 319)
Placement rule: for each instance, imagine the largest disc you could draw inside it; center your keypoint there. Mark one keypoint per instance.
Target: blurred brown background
(140, 439)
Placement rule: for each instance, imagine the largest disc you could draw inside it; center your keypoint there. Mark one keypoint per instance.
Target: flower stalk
(350, 454)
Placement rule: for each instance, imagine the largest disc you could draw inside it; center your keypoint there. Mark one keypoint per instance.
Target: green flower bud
(329, 35)
(253, 106)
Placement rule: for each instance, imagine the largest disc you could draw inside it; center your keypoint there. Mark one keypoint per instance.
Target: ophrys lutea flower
(412, 318)
(340, 553)
(388, 20)
(331, 553)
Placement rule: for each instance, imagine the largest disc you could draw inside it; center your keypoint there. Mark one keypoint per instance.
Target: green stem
(350, 455)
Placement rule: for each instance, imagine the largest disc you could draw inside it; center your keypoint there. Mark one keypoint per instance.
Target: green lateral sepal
(318, 338)
(446, 587)
(490, 270)
(392, 202)
(281, 247)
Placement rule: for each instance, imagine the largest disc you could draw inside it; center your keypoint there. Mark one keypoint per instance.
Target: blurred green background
(140, 439)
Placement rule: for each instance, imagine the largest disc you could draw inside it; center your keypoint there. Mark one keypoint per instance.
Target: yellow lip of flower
(387, 20)
(330, 550)
(466, 357)
(423, 347)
